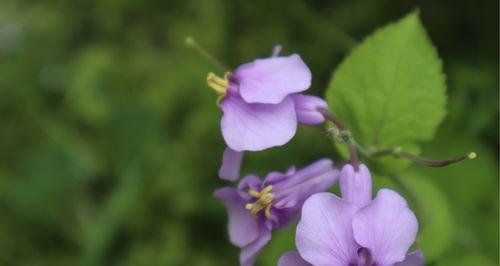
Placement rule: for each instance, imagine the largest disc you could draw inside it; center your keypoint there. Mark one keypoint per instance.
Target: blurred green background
(110, 141)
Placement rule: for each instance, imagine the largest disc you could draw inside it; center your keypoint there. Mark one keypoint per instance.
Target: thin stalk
(435, 163)
(192, 43)
(353, 154)
(422, 160)
(331, 117)
(398, 151)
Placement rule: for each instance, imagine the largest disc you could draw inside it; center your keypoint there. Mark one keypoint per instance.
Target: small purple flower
(260, 103)
(355, 230)
(256, 207)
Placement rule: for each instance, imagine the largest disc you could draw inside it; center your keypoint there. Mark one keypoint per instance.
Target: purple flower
(355, 230)
(261, 103)
(255, 207)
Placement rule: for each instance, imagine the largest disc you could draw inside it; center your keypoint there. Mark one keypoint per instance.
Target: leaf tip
(413, 15)
(416, 11)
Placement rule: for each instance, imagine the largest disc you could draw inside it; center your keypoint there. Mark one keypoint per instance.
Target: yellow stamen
(268, 212)
(264, 201)
(218, 84)
(254, 193)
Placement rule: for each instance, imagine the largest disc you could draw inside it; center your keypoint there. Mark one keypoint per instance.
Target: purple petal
(273, 178)
(250, 182)
(243, 228)
(295, 189)
(292, 258)
(307, 109)
(246, 183)
(271, 80)
(356, 187)
(255, 127)
(277, 177)
(415, 258)
(324, 234)
(387, 227)
(231, 164)
(283, 217)
(249, 253)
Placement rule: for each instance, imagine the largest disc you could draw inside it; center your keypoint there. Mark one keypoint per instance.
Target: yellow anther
(472, 156)
(264, 201)
(218, 84)
(254, 193)
(267, 189)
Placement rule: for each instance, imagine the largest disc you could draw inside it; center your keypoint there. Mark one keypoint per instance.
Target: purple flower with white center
(256, 207)
(355, 230)
(262, 105)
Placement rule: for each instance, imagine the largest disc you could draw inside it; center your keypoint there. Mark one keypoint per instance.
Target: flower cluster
(262, 107)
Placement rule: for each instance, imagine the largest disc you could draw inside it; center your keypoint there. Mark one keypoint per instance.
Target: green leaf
(468, 259)
(390, 91)
(436, 224)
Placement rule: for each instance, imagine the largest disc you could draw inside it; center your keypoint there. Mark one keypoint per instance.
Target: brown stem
(353, 154)
(435, 163)
(331, 117)
(422, 160)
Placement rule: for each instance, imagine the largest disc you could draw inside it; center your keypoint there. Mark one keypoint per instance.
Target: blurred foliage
(110, 142)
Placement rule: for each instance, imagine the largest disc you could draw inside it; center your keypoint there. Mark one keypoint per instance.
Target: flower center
(365, 257)
(218, 84)
(264, 201)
